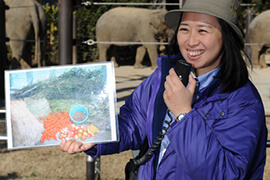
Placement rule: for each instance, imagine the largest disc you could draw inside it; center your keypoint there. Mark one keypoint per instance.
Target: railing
(268, 143)
(3, 137)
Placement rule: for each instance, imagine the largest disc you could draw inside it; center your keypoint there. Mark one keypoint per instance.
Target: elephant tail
(36, 25)
(42, 33)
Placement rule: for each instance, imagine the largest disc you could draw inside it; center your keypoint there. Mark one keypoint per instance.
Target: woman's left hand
(177, 97)
(72, 146)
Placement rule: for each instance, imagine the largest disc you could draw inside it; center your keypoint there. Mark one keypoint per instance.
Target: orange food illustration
(54, 123)
(92, 129)
(60, 122)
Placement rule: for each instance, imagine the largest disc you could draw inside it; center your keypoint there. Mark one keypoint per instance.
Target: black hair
(233, 68)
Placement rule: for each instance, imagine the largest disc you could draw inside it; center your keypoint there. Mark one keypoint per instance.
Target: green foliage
(51, 12)
(77, 84)
(70, 85)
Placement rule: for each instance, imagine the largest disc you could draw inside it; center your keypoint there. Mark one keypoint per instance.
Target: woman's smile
(195, 53)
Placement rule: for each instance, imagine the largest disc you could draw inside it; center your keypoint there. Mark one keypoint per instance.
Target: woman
(219, 129)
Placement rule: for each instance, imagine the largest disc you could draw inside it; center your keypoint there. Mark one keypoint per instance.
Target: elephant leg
(102, 48)
(42, 52)
(162, 49)
(141, 50)
(24, 64)
(262, 62)
(17, 52)
(27, 56)
(255, 51)
(152, 52)
(262, 58)
(15, 64)
(113, 55)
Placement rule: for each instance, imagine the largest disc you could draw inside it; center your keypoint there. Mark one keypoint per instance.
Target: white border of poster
(46, 105)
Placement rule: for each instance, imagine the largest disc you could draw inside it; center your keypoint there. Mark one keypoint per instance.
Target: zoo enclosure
(66, 35)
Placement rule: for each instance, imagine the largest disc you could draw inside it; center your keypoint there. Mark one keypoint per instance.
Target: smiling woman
(218, 126)
(200, 41)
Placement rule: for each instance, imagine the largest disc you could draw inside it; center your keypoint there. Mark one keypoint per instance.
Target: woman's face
(200, 41)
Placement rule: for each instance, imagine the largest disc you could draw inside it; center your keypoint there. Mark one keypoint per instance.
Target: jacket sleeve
(225, 140)
(131, 120)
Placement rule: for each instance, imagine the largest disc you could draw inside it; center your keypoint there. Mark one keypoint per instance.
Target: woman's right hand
(177, 97)
(72, 146)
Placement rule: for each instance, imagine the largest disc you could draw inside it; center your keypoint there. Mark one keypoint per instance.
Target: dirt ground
(51, 163)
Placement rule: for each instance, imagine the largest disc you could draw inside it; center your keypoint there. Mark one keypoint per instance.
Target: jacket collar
(210, 93)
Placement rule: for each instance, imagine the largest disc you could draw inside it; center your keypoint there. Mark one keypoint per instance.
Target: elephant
(25, 23)
(126, 24)
(259, 38)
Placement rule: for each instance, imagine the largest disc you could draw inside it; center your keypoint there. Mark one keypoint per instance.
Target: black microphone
(183, 69)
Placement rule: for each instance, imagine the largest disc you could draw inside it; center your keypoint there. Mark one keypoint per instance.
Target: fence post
(249, 18)
(3, 52)
(74, 36)
(90, 168)
(65, 31)
(179, 6)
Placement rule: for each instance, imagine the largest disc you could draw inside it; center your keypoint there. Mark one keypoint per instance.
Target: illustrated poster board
(46, 105)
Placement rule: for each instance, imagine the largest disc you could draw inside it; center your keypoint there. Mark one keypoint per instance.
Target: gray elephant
(124, 24)
(259, 38)
(25, 23)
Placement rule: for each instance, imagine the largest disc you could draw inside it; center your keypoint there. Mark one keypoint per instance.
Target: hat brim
(172, 19)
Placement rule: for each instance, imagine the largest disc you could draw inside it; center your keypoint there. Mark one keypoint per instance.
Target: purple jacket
(222, 137)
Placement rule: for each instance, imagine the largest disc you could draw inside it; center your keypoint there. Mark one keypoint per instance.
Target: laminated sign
(47, 105)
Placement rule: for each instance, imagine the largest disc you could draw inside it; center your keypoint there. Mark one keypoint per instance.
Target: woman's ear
(155, 21)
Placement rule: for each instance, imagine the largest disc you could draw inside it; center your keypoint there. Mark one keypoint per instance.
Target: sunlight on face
(200, 41)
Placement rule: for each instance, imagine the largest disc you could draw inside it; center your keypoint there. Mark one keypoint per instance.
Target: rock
(26, 127)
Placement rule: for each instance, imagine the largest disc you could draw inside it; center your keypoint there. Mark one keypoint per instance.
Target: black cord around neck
(156, 143)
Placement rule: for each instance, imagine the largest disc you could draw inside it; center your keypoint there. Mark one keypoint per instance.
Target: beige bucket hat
(223, 9)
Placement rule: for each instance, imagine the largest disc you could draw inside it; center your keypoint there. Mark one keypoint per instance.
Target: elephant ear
(155, 19)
